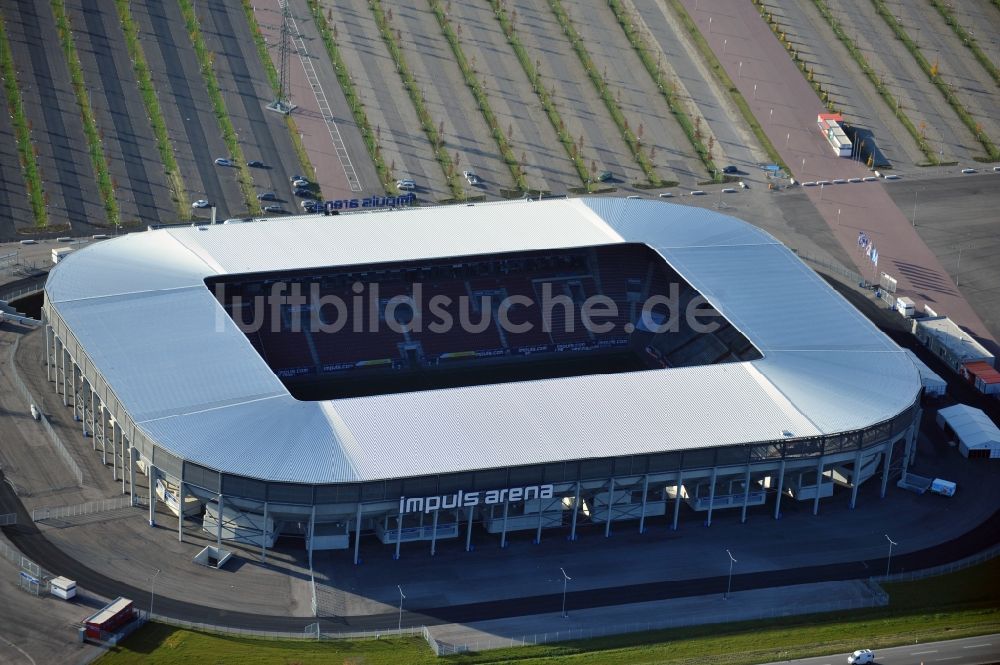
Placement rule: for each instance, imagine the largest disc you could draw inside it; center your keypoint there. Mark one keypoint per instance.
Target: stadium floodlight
(729, 584)
(152, 588)
(566, 578)
(889, 558)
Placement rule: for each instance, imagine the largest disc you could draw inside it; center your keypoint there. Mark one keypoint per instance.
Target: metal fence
(88, 508)
(835, 268)
(311, 632)
(25, 564)
(57, 443)
(441, 648)
(10, 519)
(944, 569)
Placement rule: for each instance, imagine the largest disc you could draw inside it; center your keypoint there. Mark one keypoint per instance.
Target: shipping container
(110, 618)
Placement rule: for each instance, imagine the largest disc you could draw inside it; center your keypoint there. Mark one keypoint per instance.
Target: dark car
(267, 196)
(730, 169)
(274, 208)
(294, 178)
(605, 176)
(303, 193)
(255, 164)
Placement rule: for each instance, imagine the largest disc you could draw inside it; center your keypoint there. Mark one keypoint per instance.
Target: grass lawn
(951, 606)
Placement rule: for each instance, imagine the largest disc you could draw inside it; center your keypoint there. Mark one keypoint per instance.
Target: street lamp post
(152, 589)
(399, 626)
(739, 71)
(566, 578)
(838, 216)
(958, 268)
(729, 583)
(914, 219)
(889, 558)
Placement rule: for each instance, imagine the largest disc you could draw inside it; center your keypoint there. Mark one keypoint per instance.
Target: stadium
(437, 373)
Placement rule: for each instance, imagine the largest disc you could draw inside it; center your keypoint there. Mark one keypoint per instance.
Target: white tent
(978, 436)
(933, 384)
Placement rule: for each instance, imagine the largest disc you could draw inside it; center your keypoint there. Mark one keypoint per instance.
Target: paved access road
(513, 100)
(180, 87)
(57, 131)
(135, 164)
(967, 651)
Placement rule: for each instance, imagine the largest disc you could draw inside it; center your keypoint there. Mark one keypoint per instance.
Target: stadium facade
(281, 430)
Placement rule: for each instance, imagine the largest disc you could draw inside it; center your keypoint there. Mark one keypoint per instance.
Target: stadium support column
(357, 535)
(399, 533)
(468, 533)
(94, 404)
(114, 450)
(576, 509)
(642, 516)
(263, 539)
(746, 494)
(83, 404)
(677, 498)
(131, 473)
(855, 472)
(48, 352)
(123, 462)
(885, 467)
(711, 495)
(180, 511)
(62, 370)
(611, 501)
(106, 422)
(781, 489)
(434, 533)
(503, 533)
(312, 532)
(151, 476)
(72, 386)
(218, 523)
(819, 485)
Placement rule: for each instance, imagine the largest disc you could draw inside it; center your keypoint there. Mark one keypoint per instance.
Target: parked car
(406, 183)
(255, 164)
(310, 206)
(273, 208)
(224, 161)
(267, 196)
(605, 176)
(471, 177)
(730, 169)
(200, 203)
(303, 193)
(294, 178)
(301, 182)
(861, 657)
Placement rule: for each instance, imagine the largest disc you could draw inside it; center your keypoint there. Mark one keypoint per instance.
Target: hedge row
(175, 181)
(419, 105)
(482, 99)
(507, 25)
(22, 133)
(205, 61)
(94, 147)
(272, 76)
(963, 114)
(351, 94)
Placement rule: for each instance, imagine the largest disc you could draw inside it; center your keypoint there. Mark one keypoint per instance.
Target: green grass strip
(94, 147)
(666, 89)
(548, 104)
(935, 77)
(272, 77)
(353, 99)
(482, 99)
(417, 97)
(22, 133)
(720, 73)
(605, 93)
(205, 60)
(883, 90)
(967, 39)
(175, 181)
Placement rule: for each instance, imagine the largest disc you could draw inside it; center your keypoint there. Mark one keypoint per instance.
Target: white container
(61, 587)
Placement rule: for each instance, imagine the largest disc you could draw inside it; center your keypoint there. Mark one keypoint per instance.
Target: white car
(200, 203)
(406, 183)
(222, 161)
(301, 182)
(471, 177)
(861, 657)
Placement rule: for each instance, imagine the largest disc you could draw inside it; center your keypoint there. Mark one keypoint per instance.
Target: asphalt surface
(73, 181)
(128, 127)
(226, 33)
(405, 147)
(187, 92)
(967, 651)
(17, 211)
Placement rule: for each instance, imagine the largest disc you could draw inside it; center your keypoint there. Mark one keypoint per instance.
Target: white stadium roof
(192, 382)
